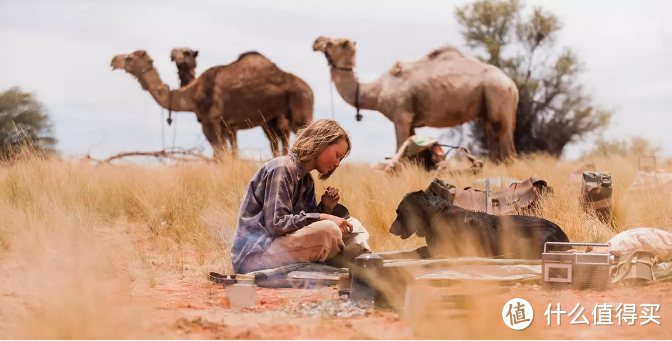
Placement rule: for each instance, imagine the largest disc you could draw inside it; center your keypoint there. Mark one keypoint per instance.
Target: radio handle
(578, 244)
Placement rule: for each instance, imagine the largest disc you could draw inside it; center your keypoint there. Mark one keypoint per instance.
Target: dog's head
(414, 214)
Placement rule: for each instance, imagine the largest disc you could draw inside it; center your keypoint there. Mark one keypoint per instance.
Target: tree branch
(178, 154)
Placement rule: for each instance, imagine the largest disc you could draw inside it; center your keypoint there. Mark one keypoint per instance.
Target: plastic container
(242, 294)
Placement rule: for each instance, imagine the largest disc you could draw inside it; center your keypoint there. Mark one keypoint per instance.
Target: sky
(61, 51)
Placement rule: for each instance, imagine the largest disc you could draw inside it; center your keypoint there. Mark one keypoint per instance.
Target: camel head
(340, 52)
(135, 63)
(184, 57)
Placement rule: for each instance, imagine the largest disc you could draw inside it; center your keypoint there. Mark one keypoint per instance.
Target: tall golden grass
(76, 239)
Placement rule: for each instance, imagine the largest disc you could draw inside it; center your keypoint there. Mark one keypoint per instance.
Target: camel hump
(249, 53)
(444, 49)
(396, 69)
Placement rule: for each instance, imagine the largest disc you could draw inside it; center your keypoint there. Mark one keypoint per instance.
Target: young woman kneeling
(280, 221)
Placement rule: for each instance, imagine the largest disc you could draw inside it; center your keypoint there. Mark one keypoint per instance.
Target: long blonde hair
(320, 134)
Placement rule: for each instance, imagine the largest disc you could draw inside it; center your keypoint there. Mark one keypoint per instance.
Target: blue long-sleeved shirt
(279, 199)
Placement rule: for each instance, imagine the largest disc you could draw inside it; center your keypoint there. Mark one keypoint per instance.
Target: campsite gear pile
(575, 269)
(635, 257)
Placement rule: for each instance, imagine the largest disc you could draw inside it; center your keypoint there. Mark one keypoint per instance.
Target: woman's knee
(327, 229)
(326, 240)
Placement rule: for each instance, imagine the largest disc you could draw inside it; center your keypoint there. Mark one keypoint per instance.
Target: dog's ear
(433, 204)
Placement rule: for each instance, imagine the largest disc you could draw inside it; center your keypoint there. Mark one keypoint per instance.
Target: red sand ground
(196, 309)
(191, 307)
(187, 306)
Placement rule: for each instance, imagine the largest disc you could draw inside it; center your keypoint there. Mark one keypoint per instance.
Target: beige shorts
(314, 243)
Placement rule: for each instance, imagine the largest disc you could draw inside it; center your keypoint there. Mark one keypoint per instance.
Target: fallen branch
(178, 154)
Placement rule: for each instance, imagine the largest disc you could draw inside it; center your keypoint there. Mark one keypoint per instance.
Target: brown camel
(443, 89)
(277, 130)
(227, 98)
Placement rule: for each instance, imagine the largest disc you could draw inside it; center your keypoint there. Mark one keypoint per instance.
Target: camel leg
(402, 126)
(269, 130)
(213, 134)
(503, 133)
(500, 121)
(507, 147)
(233, 137)
(493, 141)
(284, 137)
(282, 130)
(229, 134)
(300, 109)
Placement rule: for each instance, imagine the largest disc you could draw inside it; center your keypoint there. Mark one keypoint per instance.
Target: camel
(230, 97)
(185, 59)
(278, 129)
(445, 88)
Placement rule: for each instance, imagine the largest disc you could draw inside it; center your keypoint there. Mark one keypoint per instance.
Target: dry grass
(77, 239)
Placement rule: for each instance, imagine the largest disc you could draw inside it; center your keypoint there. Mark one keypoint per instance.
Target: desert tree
(554, 109)
(636, 146)
(24, 122)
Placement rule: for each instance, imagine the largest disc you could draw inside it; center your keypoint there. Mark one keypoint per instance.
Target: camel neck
(346, 84)
(175, 100)
(186, 75)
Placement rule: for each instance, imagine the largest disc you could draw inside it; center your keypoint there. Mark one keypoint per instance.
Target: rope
(331, 93)
(448, 146)
(163, 138)
(358, 117)
(174, 131)
(333, 66)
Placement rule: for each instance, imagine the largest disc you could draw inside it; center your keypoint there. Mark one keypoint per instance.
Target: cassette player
(563, 266)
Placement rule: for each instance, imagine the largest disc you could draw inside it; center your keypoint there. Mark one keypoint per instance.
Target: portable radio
(574, 269)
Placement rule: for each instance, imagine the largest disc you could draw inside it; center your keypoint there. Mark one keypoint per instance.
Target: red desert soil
(196, 309)
(190, 307)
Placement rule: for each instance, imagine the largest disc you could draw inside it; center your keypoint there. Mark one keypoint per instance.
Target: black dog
(452, 231)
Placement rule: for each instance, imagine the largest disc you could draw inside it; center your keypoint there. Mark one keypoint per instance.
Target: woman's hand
(329, 199)
(344, 225)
